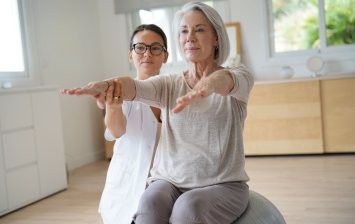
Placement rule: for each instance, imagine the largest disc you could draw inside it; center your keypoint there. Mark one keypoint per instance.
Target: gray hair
(222, 52)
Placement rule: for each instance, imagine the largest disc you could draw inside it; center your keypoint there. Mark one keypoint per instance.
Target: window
(311, 25)
(163, 17)
(12, 60)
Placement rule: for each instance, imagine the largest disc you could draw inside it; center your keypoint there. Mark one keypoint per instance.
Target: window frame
(27, 25)
(11, 74)
(344, 52)
(172, 49)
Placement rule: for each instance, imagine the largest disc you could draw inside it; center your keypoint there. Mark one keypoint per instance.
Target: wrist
(113, 108)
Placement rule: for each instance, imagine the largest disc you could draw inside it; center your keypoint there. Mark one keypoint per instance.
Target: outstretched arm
(124, 86)
(97, 90)
(220, 82)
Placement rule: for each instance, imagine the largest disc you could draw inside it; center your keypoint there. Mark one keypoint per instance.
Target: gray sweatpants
(163, 203)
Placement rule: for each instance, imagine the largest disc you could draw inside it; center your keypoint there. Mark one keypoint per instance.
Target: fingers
(101, 102)
(186, 100)
(117, 91)
(178, 108)
(69, 91)
(97, 90)
(181, 104)
(108, 83)
(109, 94)
(113, 97)
(91, 89)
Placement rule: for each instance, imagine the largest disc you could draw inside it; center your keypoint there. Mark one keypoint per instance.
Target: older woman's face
(197, 37)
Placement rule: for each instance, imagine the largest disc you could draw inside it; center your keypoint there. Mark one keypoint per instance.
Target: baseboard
(74, 163)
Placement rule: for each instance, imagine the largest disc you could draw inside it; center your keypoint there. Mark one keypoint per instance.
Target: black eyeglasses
(155, 49)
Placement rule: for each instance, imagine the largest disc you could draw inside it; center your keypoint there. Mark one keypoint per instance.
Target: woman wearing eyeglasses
(135, 127)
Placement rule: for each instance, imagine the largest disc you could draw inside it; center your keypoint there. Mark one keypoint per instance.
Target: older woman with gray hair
(198, 175)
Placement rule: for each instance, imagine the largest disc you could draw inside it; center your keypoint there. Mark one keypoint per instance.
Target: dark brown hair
(151, 27)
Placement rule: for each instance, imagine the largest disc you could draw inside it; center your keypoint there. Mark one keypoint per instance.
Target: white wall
(69, 52)
(79, 41)
(114, 40)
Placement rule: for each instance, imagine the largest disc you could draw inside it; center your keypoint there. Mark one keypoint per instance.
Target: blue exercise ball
(260, 211)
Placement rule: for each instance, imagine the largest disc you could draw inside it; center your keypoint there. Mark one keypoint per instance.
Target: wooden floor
(306, 189)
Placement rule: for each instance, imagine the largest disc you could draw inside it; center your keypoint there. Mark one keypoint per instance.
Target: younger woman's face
(147, 64)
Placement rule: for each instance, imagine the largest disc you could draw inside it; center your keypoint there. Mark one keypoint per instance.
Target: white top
(130, 164)
(198, 149)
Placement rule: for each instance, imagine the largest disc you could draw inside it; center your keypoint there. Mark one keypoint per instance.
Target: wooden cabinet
(301, 117)
(284, 118)
(32, 164)
(338, 107)
(109, 149)
(108, 146)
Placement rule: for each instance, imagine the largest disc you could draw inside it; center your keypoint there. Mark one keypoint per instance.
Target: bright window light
(159, 17)
(311, 24)
(11, 53)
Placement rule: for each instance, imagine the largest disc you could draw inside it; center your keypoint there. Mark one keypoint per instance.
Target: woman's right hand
(113, 96)
(97, 90)
(123, 87)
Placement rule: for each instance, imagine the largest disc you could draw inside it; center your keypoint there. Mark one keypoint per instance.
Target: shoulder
(169, 78)
(242, 73)
(241, 70)
(172, 76)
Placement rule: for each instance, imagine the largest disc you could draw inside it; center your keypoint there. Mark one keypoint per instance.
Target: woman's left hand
(202, 89)
(113, 98)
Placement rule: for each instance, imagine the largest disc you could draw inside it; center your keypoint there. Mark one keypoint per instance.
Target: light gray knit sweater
(198, 149)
